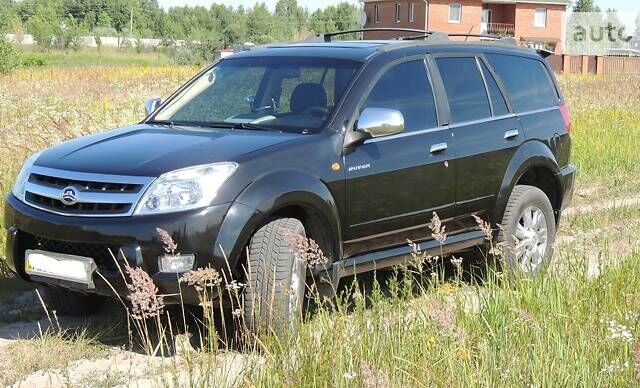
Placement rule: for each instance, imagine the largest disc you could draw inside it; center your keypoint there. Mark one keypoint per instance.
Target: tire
(274, 294)
(528, 232)
(66, 302)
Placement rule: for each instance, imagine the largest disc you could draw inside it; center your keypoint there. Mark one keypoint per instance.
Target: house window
(397, 13)
(376, 16)
(412, 12)
(455, 13)
(540, 18)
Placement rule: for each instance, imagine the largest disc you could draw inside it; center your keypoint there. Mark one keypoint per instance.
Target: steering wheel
(317, 111)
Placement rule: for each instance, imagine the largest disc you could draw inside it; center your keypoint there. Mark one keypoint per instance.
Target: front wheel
(274, 295)
(528, 231)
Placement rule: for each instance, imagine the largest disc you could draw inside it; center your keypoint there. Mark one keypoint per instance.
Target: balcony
(502, 29)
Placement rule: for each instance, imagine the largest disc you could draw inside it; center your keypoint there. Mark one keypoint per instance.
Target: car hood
(150, 150)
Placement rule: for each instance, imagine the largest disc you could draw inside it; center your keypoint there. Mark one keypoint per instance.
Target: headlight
(19, 188)
(190, 188)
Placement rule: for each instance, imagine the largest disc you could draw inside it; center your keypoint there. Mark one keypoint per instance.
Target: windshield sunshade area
(290, 94)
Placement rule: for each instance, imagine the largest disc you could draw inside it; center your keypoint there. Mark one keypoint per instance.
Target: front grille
(99, 253)
(88, 186)
(94, 195)
(79, 208)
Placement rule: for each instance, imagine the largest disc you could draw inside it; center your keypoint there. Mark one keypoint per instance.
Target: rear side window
(465, 89)
(498, 103)
(406, 88)
(527, 82)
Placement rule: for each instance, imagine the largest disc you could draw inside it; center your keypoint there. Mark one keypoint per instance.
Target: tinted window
(527, 82)
(497, 99)
(465, 89)
(406, 88)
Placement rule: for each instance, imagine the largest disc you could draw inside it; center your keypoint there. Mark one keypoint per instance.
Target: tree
(9, 56)
(291, 18)
(43, 27)
(584, 6)
(104, 20)
(260, 24)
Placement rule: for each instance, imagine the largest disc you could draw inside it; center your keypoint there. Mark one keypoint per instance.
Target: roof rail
(424, 34)
(327, 37)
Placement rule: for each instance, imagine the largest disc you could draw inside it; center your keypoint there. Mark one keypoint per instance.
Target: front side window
(527, 82)
(540, 18)
(406, 88)
(283, 93)
(465, 89)
(455, 13)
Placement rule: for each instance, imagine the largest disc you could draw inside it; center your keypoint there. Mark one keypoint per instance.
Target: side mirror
(380, 122)
(152, 105)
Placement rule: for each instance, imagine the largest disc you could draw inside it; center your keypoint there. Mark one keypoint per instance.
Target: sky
(620, 5)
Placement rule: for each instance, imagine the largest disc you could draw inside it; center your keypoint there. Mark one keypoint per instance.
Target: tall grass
(606, 126)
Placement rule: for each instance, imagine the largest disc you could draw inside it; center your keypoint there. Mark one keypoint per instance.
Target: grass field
(570, 328)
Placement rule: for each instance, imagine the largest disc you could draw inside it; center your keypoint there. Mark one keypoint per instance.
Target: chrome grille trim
(89, 197)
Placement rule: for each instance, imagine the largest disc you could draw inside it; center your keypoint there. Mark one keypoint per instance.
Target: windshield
(291, 94)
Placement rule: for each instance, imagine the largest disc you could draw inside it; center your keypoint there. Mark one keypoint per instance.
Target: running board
(400, 255)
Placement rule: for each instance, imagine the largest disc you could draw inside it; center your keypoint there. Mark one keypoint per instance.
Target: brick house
(535, 23)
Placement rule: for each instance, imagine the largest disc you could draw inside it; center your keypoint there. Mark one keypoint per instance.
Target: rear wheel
(66, 302)
(529, 231)
(274, 295)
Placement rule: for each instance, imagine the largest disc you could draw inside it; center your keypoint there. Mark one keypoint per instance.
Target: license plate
(71, 268)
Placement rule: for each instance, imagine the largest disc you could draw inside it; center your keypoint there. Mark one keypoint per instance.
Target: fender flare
(267, 195)
(530, 155)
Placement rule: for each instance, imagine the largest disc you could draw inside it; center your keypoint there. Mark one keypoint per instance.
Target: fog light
(176, 263)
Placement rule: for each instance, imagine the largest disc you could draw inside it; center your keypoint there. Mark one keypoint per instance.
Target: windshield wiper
(230, 125)
(211, 124)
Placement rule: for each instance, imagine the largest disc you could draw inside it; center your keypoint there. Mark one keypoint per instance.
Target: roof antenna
(468, 33)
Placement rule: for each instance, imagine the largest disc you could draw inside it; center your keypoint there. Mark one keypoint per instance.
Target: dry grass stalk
(168, 244)
(202, 278)
(143, 294)
(636, 359)
(306, 249)
(438, 230)
(373, 377)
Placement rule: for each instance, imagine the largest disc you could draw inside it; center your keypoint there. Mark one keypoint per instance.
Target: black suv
(354, 144)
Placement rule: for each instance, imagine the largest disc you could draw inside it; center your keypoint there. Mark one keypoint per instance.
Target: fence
(90, 41)
(585, 64)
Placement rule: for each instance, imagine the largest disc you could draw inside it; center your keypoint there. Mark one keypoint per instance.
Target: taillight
(566, 115)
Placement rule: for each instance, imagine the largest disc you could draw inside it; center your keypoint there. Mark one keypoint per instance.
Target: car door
(486, 132)
(395, 182)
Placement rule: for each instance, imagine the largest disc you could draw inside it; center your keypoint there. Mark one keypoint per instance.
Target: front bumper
(133, 239)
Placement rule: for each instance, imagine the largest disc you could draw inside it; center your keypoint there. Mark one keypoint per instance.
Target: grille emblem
(69, 196)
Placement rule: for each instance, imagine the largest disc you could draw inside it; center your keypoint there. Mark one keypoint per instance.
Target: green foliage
(585, 6)
(9, 56)
(57, 23)
(42, 26)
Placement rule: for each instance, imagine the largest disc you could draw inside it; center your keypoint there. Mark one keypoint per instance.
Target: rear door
(486, 131)
(395, 182)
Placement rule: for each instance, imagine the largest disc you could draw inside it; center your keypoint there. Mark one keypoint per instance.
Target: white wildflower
(350, 375)
(619, 331)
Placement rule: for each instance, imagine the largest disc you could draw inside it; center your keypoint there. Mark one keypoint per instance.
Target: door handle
(436, 148)
(512, 134)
